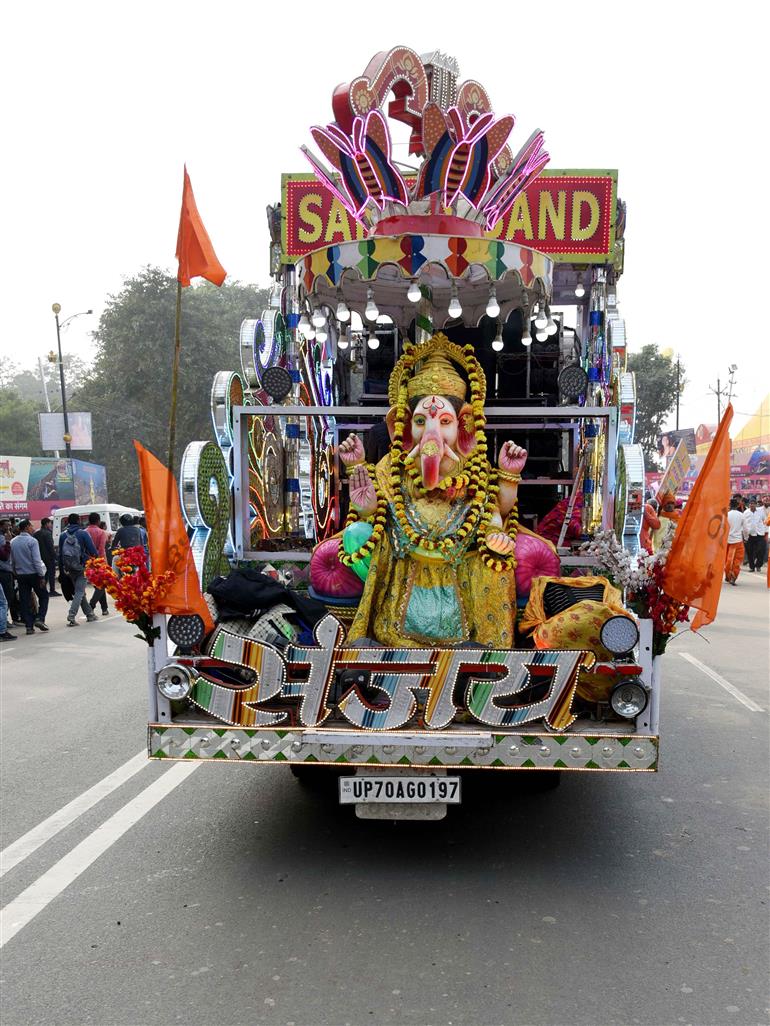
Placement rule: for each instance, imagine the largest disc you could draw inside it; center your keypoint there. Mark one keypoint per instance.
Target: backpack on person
(72, 554)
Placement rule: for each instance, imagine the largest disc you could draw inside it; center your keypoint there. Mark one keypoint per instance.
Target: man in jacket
(30, 572)
(100, 538)
(48, 552)
(75, 549)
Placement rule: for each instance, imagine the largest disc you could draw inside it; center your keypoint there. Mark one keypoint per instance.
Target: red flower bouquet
(136, 591)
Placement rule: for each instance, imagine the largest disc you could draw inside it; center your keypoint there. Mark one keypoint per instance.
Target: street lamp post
(56, 311)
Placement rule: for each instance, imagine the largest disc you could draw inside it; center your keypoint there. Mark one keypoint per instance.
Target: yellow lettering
(338, 223)
(308, 217)
(496, 230)
(521, 219)
(549, 212)
(580, 199)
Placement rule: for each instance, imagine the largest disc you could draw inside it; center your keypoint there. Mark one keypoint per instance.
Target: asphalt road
(242, 897)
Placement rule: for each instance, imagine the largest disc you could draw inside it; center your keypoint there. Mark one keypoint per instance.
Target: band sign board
(568, 215)
(52, 431)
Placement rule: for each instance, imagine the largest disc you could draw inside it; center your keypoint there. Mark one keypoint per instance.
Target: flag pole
(175, 377)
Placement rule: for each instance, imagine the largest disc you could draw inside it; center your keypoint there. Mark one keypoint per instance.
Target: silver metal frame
(534, 416)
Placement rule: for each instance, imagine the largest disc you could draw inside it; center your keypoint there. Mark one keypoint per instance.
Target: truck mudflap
(460, 749)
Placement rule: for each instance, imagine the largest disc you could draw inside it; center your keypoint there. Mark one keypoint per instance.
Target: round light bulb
(310, 333)
(318, 318)
(580, 290)
(342, 313)
(541, 336)
(414, 295)
(373, 342)
(321, 335)
(552, 328)
(541, 321)
(493, 307)
(343, 342)
(497, 345)
(371, 312)
(304, 324)
(455, 308)
(526, 338)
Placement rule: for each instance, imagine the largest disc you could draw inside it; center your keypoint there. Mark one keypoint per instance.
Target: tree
(656, 393)
(29, 386)
(128, 390)
(19, 430)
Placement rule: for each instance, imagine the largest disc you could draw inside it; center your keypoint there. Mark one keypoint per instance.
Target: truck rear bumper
(466, 749)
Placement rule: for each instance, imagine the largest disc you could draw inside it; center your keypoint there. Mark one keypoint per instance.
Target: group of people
(29, 561)
(748, 525)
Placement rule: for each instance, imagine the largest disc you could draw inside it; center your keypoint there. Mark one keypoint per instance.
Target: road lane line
(743, 699)
(22, 910)
(34, 838)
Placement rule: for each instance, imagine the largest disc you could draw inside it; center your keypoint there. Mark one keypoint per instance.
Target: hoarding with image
(90, 481)
(52, 431)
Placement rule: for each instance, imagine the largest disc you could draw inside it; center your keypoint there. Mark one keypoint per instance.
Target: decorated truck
(417, 524)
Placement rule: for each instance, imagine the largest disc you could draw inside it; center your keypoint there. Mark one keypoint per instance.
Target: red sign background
(569, 215)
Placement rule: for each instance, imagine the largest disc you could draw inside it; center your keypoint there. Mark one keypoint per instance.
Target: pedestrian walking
(5, 634)
(754, 530)
(30, 572)
(127, 536)
(734, 553)
(75, 549)
(100, 538)
(7, 579)
(48, 553)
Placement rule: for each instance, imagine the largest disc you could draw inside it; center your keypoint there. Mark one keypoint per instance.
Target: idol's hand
(512, 458)
(362, 492)
(352, 450)
(500, 543)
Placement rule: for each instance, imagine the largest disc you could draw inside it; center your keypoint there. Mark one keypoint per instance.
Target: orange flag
(695, 564)
(167, 537)
(194, 251)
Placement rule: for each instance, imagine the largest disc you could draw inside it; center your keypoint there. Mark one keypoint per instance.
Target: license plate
(413, 790)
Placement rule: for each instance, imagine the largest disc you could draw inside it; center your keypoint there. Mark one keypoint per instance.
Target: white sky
(103, 103)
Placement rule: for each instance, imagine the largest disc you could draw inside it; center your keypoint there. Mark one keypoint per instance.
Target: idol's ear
(466, 430)
(390, 420)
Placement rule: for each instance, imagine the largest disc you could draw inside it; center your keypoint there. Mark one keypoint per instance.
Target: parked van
(109, 512)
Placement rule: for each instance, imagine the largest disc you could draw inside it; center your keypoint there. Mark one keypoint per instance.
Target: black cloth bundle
(250, 592)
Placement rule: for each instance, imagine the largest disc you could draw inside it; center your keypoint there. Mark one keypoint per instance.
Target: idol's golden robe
(417, 599)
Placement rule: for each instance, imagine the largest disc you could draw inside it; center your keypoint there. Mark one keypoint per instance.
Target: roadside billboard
(52, 431)
(36, 486)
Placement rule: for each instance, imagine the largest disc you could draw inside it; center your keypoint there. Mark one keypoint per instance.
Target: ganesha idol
(433, 528)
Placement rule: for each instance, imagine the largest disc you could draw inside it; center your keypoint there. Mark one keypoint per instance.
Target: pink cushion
(534, 558)
(330, 577)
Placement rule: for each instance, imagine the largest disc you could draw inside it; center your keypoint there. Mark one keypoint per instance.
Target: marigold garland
(477, 478)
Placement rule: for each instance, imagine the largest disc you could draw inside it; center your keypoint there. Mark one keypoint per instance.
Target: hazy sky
(103, 103)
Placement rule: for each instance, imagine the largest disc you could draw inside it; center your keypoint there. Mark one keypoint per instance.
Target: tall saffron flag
(169, 545)
(695, 564)
(194, 251)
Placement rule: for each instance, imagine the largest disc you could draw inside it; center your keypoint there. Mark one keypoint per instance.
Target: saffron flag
(695, 564)
(194, 251)
(167, 536)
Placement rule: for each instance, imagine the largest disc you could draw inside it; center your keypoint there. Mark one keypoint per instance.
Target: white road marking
(743, 699)
(22, 910)
(32, 840)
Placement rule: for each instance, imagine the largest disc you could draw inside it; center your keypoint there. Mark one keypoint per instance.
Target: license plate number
(412, 790)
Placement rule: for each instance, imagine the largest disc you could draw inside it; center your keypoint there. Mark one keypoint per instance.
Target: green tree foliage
(19, 432)
(656, 392)
(128, 390)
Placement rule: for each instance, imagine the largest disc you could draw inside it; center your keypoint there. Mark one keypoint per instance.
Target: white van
(109, 512)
